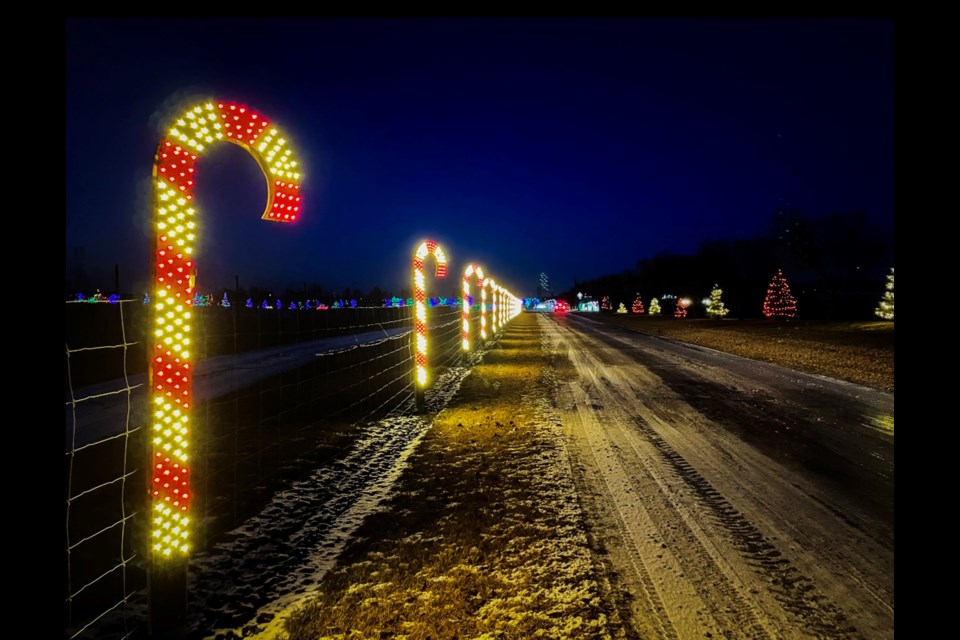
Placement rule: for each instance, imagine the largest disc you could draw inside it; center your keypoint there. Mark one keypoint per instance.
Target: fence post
(167, 595)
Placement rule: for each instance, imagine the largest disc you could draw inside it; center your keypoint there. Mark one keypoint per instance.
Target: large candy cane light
(427, 247)
(467, 273)
(176, 220)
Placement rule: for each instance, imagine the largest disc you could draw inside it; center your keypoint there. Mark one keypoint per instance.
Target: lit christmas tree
(681, 311)
(654, 307)
(637, 305)
(779, 302)
(885, 309)
(605, 304)
(621, 308)
(715, 308)
(543, 287)
(249, 303)
(225, 302)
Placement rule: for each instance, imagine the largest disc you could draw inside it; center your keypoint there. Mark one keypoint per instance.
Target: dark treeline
(836, 267)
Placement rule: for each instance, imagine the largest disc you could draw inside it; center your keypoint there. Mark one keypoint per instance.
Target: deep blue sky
(570, 146)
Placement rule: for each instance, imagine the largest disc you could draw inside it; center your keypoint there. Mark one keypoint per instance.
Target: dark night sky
(570, 146)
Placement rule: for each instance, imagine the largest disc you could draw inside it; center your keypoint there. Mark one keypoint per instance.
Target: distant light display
(426, 248)
(176, 226)
(467, 303)
(637, 305)
(655, 307)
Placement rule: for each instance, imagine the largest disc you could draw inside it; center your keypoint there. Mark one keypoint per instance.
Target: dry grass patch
(859, 352)
(484, 536)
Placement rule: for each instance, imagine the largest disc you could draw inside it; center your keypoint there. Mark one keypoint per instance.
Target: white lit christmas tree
(654, 307)
(779, 302)
(638, 305)
(715, 308)
(225, 302)
(885, 309)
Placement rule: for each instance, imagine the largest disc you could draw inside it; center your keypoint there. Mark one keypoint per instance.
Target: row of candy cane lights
(175, 217)
(503, 304)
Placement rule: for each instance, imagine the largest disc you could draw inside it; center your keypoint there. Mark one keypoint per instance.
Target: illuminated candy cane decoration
(426, 248)
(493, 304)
(501, 297)
(500, 321)
(469, 271)
(174, 180)
(483, 309)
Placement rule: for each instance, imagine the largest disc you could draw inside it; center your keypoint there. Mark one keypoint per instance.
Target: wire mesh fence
(277, 391)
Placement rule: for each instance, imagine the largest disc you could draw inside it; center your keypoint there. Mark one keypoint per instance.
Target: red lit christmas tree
(681, 311)
(779, 302)
(605, 304)
(637, 305)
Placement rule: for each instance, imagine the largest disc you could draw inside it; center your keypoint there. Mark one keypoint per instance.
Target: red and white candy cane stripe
(174, 176)
(427, 247)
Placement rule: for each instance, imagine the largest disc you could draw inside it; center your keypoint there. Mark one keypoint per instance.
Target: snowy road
(736, 499)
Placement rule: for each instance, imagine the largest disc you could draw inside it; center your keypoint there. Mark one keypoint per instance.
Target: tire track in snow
(720, 551)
